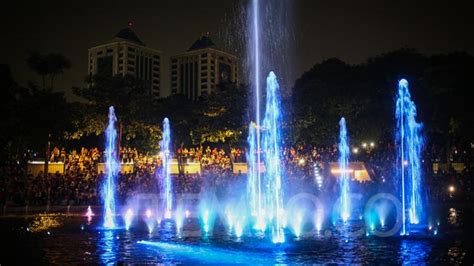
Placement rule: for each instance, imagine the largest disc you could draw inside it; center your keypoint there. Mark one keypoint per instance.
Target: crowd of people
(80, 184)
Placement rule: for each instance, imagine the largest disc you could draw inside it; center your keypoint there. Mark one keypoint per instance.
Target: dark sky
(348, 29)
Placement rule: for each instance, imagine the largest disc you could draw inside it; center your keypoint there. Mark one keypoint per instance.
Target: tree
(223, 116)
(48, 66)
(136, 111)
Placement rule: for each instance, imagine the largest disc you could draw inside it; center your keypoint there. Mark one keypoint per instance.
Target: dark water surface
(72, 240)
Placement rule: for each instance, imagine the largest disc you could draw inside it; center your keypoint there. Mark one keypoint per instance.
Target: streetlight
(451, 189)
(364, 145)
(355, 150)
(372, 144)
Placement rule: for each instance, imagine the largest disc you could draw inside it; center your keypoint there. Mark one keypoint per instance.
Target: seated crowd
(81, 182)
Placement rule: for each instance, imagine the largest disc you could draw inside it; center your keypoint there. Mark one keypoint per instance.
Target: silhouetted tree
(48, 65)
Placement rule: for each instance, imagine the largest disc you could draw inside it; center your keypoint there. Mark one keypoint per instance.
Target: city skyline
(350, 31)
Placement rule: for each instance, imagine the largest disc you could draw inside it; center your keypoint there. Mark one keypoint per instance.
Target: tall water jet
(409, 143)
(252, 178)
(112, 168)
(271, 147)
(345, 208)
(166, 184)
(256, 52)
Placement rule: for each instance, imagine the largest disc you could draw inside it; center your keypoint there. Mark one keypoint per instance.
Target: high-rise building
(124, 55)
(196, 72)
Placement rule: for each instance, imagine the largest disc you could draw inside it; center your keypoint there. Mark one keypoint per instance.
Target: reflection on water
(107, 247)
(414, 251)
(69, 244)
(45, 222)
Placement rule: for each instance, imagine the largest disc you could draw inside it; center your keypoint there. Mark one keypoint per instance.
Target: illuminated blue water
(78, 242)
(344, 152)
(409, 141)
(252, 176)
(166, 183)
(112, 168)
(271, 147)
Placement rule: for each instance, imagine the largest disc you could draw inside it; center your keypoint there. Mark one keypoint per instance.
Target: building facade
(124, 55)
(197, 72)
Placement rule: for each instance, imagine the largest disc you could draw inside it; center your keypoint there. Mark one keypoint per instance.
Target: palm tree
(48, 65)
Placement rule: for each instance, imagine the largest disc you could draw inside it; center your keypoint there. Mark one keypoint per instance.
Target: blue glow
(230, 218)
(267, 207)
(239, 229)
(256, 34)
(252, 176)
(409, 142)
(112, 168)
(179, 220)
(271, 146)
(150, 222)
(211, 255)
(128, 218)
(298, 223)
(166, 184)
(205, 220)
(107, 247)
(344, 152)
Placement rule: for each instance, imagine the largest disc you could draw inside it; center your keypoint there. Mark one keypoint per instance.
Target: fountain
(271, 147)
(345, 209)
(252, 177)
(166, 186)
(258, 178)
(112, 168)
(409, 142)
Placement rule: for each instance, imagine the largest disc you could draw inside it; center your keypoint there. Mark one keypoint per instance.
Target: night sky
(347, 29)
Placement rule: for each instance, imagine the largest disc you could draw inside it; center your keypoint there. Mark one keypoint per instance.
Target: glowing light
(364, 145)
(89, 214)
(451, 189)
(179, 220)
(148, 213)
(355, 150)
(166, 182)
(205, 220)
(317, 175)
(301, 161)
(212, 255)
(343, 167)
(372, 144)
(298, 221)
(271, 200)
(44, 222)
(409, 142)
(238, 229)
(230, 220)
(149, 221)
(128, 217)
(168, 214)
(187, 213)
(112, 168)
(319, 217)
